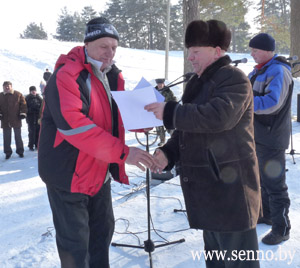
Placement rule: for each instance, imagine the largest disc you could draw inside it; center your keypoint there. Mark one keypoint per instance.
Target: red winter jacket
(78, 140)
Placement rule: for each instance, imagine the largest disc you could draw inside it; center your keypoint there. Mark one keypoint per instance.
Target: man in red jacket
(82, 146)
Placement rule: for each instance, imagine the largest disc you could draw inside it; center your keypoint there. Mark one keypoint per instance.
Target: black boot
(273, 238)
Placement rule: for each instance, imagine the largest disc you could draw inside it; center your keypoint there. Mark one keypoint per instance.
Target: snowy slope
(27, 238)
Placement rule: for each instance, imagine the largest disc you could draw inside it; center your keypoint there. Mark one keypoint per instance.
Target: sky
(27, 237)
(16, 14)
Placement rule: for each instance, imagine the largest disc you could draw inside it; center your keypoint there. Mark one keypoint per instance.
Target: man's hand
(160, 161)
(22, 116)
(157, 108)
(139, 158)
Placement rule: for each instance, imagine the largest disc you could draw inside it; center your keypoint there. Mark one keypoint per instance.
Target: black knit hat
(32, 88)
(211, 33)
(98, 28)
(263, 41)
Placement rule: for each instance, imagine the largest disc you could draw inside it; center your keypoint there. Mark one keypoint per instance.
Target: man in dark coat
(12, 110)
(213, 147)
(46, 75)
(34, 102)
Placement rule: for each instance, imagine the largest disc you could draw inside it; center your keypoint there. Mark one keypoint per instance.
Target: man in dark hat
(82, 146)
(12, 110)
(272, 86)
(213, 147)
(169, 96)
(34, 102)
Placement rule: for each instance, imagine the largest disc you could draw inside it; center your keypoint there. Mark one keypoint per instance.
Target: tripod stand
(149, 245)
(292, 151)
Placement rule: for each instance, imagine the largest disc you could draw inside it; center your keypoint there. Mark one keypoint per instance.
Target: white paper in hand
(131, 105)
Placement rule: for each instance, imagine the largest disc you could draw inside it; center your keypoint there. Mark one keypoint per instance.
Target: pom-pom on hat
(263, 41)
(98, 28)
(211, 33)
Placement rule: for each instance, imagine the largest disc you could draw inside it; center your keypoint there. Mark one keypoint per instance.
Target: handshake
(156, 163)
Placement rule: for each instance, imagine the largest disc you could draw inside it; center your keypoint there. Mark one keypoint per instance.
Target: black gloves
(22, 116)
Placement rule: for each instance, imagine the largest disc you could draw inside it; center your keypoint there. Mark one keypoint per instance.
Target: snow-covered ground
(27, 237)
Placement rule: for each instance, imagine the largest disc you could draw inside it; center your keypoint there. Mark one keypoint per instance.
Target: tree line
(142, 24)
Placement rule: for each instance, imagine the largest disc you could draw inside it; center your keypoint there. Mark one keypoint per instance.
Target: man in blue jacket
(272, 87)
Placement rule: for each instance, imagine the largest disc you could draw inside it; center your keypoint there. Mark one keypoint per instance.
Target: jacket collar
(211, 69)
(10, 92)
(97, 64)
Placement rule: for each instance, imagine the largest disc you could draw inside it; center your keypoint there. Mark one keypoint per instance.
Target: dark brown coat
(12, 105)
(213, 146)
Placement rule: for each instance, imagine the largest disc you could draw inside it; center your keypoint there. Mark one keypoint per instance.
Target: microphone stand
(149, 245)
(292, 151)
(172, 84)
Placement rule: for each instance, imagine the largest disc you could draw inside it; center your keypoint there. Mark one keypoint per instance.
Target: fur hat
(159, 80)
(211, 33)
(98, 28)
(263, 41)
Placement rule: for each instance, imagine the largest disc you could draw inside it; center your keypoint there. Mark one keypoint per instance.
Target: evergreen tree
(176, 27)
(295, 37)
(142, 23)
(87, 14)
(274, 18)
(232, 12)
(70, 27)
(33, 31)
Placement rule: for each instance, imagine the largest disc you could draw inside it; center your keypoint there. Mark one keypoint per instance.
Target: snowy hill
(27, 237)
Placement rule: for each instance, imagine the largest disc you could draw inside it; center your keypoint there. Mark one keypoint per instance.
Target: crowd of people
(228, 139)
(13, 108)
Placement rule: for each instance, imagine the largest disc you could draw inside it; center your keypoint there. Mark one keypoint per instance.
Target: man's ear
(218, 52)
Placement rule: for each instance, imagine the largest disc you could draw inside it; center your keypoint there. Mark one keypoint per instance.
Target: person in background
(213, 147)
(272, 85)
(82, 146)
(34, 102)
(46, 76)
(169, 96)
(13, 109)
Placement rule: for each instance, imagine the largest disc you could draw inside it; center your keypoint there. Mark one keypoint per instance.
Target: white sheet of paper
(131, 105)
(144, 83)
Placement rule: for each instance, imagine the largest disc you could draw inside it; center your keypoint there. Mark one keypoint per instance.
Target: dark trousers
(33, 130)
(7, 140)
(274, 191)
(241, 249)
(84, 227)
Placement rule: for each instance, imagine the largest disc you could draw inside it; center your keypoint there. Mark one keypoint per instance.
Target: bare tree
(190, 13)
(295, 36)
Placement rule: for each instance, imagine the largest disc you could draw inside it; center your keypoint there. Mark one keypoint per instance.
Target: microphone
(295, 57)
(236, 62)
(295, 63)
